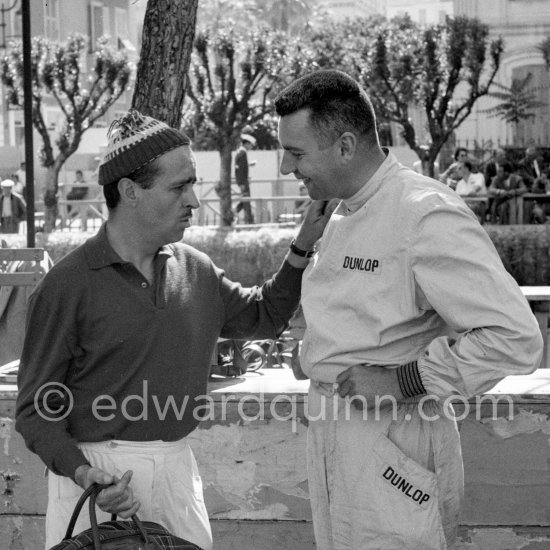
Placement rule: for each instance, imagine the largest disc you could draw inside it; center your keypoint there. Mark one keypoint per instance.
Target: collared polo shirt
(134, 356)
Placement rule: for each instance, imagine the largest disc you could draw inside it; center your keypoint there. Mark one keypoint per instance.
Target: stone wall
(251, 452)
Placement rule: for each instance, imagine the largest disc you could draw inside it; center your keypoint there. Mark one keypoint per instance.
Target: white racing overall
(387, 484)
(404, 273)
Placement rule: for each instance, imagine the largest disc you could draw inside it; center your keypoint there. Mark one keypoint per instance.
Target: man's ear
(127, 191)
(347, 146)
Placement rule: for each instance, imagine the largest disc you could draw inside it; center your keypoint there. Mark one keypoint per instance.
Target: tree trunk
(50, 197)
(167, 42)
(224, 187)
(427, 167)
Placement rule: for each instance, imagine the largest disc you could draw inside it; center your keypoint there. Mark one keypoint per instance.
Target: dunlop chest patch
(364, 265)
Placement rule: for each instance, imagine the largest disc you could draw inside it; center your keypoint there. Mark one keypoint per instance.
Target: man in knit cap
(123, 328)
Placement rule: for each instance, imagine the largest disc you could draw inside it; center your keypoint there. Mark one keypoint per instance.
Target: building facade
(342, 9)
(523, 25)
(424, 12)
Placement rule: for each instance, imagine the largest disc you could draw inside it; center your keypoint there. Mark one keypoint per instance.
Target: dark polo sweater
(134, 356)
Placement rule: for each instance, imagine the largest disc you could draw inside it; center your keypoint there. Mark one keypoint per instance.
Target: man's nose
(287, 164)
(192, 200)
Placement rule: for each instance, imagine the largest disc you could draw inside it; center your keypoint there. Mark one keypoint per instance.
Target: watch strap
(299, 251)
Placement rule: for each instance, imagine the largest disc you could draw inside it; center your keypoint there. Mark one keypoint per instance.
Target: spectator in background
(22, 175)
(490, 170)
(18, 186)
(451, 176)
(79, 189)
(491, 167)
(12, 208)
(79, 192)
(99, 194)
(530, 167)
(504, 189)
(538, 210)
(541, 185)
(472, 185)
(241, 175)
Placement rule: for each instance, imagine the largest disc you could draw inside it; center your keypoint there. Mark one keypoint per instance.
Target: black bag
(118, 535)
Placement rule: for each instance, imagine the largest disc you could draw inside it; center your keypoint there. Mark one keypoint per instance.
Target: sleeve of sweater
(43, 401)
(261, 312)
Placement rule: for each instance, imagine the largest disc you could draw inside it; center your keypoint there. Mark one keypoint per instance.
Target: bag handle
(76, 512)
(91, 492)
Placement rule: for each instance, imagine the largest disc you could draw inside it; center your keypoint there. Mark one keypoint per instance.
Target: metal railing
(264, 210)
(89, 214)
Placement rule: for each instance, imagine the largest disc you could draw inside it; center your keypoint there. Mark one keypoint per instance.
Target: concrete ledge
(27, 533)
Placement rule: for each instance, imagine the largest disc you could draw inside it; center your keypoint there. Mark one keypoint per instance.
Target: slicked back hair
(336, 103)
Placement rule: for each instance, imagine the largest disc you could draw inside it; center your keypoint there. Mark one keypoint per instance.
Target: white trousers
(165, 480)
(387, 484)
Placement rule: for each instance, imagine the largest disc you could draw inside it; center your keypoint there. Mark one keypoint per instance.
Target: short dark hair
(457, 152)
(143, 176)
(336, 102)
(507, 167)
(468, 165)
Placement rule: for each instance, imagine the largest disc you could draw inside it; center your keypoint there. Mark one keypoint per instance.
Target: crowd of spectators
(491, 188)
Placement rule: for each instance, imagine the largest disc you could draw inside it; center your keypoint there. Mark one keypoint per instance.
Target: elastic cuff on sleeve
(409, 380)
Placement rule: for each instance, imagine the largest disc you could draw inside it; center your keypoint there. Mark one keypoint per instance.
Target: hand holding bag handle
(91, 492)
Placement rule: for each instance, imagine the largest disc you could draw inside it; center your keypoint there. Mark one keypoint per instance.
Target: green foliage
(517, 101)
(252, 256)
(544, 48)
(402, 64)
(288, 16)
(247, 256)
(424, 66)
(57, 73)
(232, 77)
(82, 98)
(524, 250)
(232, 80)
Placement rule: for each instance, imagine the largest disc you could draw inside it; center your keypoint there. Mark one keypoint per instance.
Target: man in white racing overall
(407, 300)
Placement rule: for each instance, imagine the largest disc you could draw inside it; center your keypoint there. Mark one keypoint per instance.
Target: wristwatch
(299, 251)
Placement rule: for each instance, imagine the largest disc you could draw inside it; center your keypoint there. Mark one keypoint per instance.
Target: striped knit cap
(134, 141)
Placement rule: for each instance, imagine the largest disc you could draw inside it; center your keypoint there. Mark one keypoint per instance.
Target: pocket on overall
(406, 496)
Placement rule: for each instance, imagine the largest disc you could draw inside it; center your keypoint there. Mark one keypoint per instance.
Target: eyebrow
(293, 149)
(191, 180)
